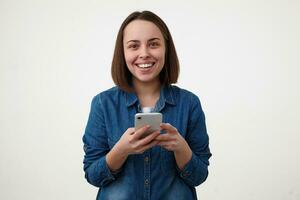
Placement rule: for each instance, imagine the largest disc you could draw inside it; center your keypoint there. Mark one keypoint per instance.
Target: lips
(145, 65)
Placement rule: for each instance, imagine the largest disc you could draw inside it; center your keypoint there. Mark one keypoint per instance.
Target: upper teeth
(145, 65)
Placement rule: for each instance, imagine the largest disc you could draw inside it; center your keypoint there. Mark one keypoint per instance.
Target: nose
(144, 52)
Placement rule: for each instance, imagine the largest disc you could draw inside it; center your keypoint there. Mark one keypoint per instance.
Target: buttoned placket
(147, 174)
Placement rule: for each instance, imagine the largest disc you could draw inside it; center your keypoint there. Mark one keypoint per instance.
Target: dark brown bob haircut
(119, 71)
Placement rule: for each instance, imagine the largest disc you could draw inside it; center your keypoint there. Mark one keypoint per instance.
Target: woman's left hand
(171, 139)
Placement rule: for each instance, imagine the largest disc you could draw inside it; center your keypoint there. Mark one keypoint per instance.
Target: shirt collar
(166, 96)
(130, 98)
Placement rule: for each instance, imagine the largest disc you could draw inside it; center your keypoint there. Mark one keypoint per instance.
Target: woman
(167, 164)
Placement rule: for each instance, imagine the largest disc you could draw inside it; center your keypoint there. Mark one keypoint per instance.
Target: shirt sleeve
(195, 171)
(96, 147)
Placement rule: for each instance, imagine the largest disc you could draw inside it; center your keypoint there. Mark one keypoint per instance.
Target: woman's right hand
(132, 141)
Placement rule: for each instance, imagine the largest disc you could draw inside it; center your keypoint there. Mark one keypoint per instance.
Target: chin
(146, 79)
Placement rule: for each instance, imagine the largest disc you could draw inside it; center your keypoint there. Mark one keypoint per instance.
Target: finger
(168, 127)
(148, 146)
(138, 133)
(164, 137)
(163, 143)
(149, 138)
(168, 147)
(130, 131)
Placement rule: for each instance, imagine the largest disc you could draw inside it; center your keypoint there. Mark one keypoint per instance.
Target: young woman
(167, 164)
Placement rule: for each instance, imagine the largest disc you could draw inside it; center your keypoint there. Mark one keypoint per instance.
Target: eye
(133, 46)
(154, 44)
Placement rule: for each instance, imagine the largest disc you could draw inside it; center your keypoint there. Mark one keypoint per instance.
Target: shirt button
(146, 159)
(186, 174)
(146, 182)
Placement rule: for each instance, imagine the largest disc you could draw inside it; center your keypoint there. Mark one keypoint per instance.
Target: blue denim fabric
(154, 174)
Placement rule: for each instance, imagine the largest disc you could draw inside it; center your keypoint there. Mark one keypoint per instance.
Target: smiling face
(144, 51)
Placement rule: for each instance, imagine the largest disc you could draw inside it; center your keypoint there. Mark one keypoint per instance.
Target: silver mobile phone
(152, 119)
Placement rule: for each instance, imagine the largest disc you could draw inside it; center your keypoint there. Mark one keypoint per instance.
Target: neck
(146, 88)
(148, 93)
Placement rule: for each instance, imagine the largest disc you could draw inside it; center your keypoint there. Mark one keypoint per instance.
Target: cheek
(161, 57)
(129, 58)
(160, 54)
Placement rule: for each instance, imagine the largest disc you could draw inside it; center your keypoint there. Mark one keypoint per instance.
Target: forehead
(141, 30)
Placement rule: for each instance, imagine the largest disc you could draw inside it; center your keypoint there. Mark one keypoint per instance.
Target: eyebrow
(138, 40)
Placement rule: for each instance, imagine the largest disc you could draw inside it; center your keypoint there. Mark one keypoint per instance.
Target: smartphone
(152, 119)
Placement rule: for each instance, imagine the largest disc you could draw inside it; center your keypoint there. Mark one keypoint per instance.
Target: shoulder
(185, 98)
(180, 93)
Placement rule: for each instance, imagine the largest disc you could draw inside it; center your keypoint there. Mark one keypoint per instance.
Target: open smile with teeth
(145, 65)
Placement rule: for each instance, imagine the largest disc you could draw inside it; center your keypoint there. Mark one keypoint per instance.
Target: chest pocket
(111, 142)
(114, 136)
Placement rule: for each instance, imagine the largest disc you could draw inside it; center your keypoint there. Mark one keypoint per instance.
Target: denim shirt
(154, 174)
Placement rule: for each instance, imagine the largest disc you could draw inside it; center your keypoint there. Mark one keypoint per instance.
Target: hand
(171, 139)
(132, 142)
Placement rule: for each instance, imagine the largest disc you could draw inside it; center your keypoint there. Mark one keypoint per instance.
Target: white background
(240, 57)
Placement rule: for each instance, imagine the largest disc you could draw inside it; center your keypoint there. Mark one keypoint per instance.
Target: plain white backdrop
(240, 57)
